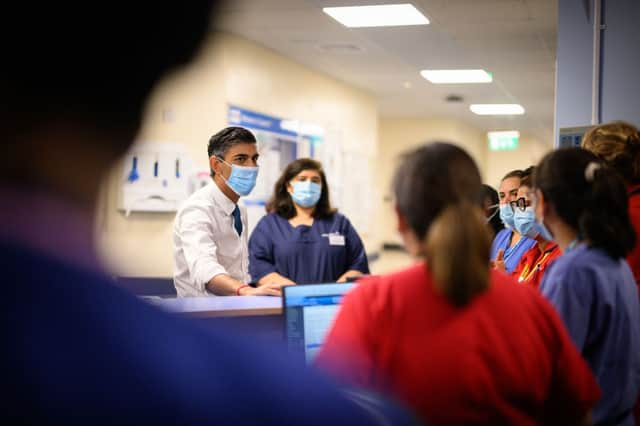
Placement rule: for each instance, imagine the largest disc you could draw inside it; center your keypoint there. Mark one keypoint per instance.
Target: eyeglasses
(521, 203)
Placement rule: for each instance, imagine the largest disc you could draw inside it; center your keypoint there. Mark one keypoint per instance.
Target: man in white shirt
(210, 249)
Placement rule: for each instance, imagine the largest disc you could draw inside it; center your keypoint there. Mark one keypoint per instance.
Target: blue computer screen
(309, 312)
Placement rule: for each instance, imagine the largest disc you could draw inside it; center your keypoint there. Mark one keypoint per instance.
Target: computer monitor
(309, 311)
(571, 137)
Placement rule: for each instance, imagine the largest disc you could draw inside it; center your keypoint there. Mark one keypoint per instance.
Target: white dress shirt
(206, 244)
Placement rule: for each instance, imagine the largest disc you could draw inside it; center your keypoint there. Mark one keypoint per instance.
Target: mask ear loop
(496, 208)
(220, 160)
(226, 182)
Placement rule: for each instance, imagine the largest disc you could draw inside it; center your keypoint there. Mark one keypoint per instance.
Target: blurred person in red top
(460, 343)
(538, 258)
(618, 144)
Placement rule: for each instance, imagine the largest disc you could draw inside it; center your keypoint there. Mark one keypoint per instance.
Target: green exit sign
(503, 141)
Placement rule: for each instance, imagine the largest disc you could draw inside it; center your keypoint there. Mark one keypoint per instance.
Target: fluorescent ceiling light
(384, 15)
(457, 76)
(497, 109)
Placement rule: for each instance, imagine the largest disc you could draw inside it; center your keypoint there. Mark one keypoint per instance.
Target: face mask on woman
(306, 194)
(525, 222)
(544, 231)
(506, 214)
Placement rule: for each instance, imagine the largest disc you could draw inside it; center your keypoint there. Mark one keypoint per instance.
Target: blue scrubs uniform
(597, 298)
(512, 255)
(306, 254)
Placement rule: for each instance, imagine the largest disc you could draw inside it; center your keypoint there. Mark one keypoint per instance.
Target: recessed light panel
(497, 109)
(384, 15)
(457, 76)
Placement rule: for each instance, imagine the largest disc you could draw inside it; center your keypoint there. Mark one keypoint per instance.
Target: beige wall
(529, 152)
(189, 107)
(398, 135)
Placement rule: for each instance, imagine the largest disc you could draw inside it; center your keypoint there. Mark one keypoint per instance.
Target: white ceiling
(513, 39)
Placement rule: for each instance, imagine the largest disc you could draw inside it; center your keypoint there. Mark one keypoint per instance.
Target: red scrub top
(634, 214)
(534, 263)
(504, 359)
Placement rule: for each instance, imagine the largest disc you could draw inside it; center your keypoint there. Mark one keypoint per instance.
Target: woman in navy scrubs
(303, 240)
(582, 205)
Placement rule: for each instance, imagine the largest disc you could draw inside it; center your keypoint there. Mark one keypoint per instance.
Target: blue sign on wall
(251, 119)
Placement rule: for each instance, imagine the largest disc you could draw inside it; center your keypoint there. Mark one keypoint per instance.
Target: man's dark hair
(220, 143)
(281, 202)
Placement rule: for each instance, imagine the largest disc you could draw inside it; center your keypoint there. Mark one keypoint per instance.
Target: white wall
(229, 70)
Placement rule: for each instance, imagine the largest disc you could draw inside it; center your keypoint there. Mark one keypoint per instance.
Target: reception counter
(254, 315)
(226, 306)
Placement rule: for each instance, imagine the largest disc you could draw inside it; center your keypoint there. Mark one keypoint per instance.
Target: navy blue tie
(237, 222)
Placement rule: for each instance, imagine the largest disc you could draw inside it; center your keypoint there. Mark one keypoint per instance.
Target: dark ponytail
(588, 196)
(438, 191)
(459, 233)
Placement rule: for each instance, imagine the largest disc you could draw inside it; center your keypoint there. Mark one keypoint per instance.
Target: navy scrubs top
(318, 253)
(597, 298)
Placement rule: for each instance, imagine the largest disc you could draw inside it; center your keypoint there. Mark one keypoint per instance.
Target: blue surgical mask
(242, 179)
(306, 194)
(525, 222)
(544, 231)
(506, 214)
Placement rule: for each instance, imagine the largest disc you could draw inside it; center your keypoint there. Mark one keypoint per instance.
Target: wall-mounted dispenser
(155, 178)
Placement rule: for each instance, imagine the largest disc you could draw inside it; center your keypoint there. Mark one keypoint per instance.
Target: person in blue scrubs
(582, 205)
(508, 245)
(303, 240)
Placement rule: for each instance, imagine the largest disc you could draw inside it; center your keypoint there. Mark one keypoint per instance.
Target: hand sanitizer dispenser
(154, 178)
